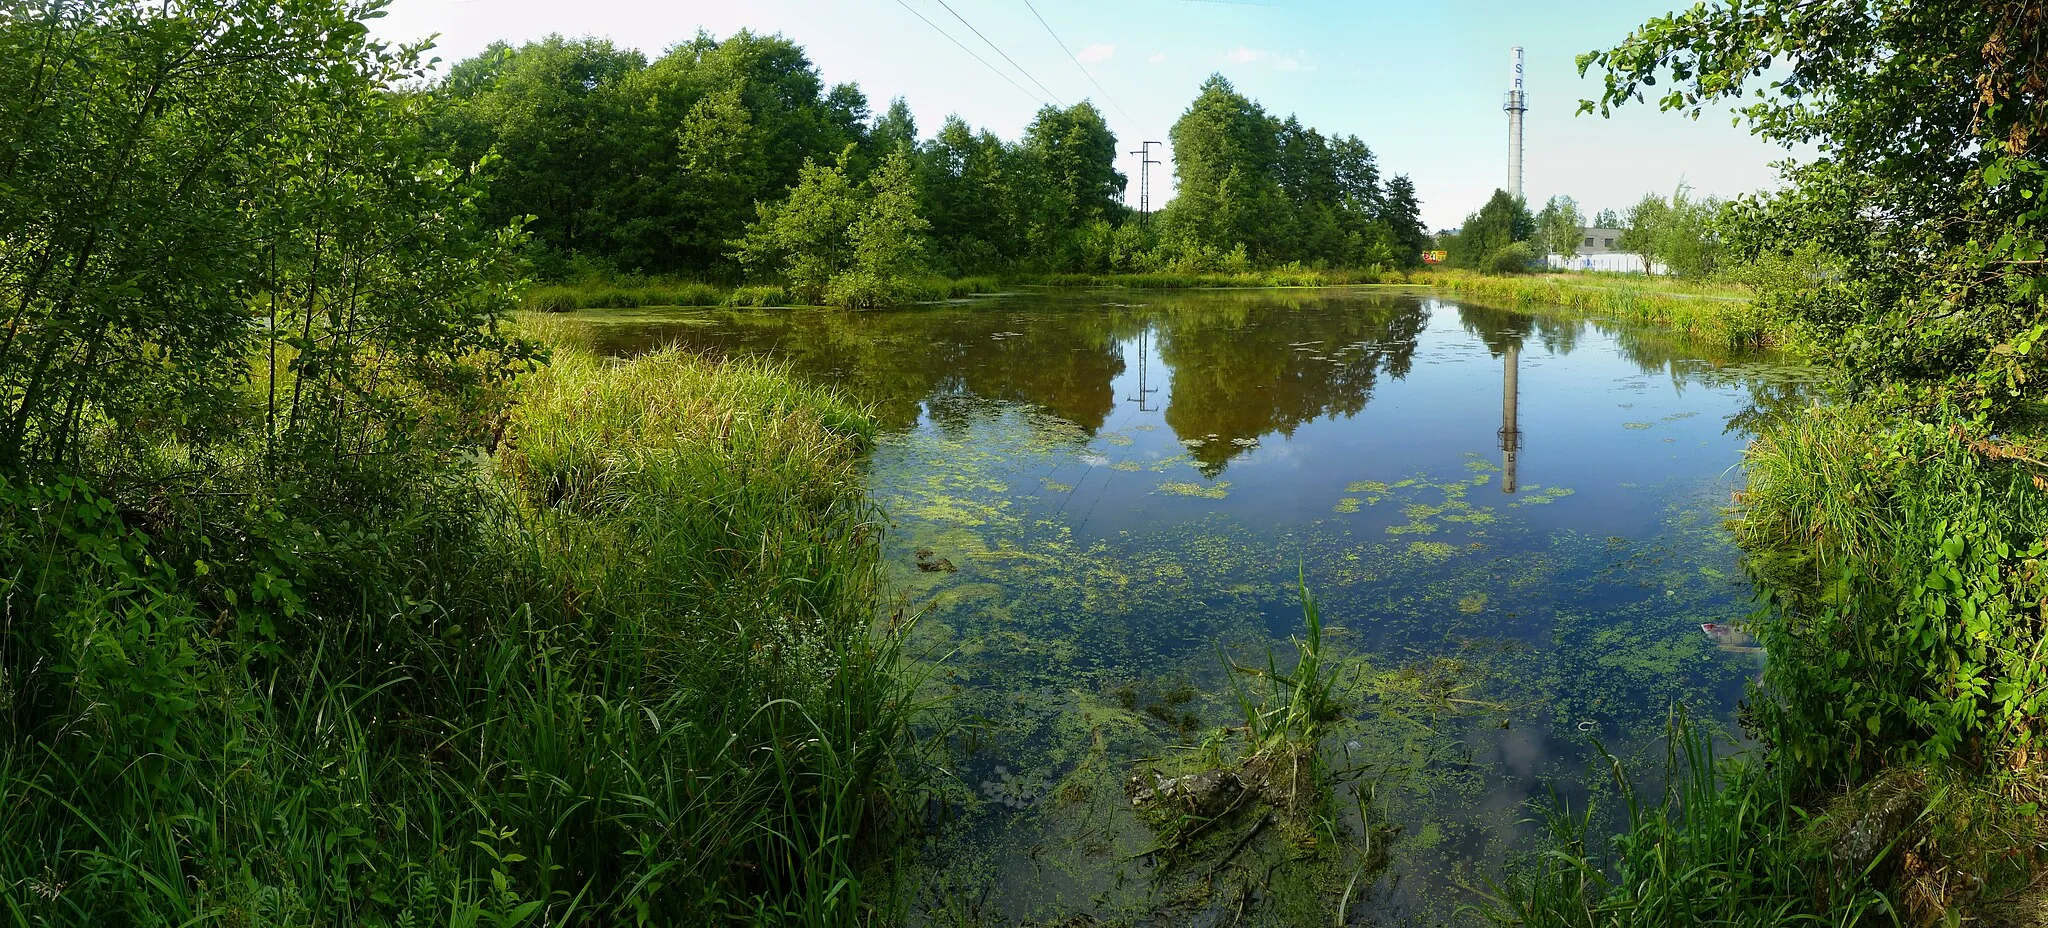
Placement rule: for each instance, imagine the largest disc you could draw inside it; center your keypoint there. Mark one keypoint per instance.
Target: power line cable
(970, 52)
(1006, 55)
(1077, 62)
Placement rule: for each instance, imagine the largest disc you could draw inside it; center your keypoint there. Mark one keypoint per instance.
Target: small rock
(1206, 794)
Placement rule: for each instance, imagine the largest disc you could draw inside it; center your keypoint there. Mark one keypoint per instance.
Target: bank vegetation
(333, 597)
(1897, 535)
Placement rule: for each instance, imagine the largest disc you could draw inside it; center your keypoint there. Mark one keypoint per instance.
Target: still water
(1512, 523)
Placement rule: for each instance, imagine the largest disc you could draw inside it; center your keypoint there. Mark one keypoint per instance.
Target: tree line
(732, 159)
(1681, 234)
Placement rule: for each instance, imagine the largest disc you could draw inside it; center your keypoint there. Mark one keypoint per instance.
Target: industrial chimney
(1516, 104)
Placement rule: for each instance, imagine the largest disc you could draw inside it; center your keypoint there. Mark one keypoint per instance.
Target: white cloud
(1291, 63)
(1156, 58)
(1245, 55)
(1100, 51)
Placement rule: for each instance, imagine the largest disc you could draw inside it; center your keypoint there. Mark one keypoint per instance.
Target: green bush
(1905, 559)
(1512, 258)
(758, 295)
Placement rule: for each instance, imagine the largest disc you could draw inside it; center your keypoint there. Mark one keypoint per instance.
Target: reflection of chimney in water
(1510, 417)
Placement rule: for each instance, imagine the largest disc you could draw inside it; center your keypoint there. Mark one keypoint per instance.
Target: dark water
(1130, 487)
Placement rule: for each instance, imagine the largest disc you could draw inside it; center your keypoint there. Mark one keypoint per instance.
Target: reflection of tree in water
(1499, 328)
(1775, 389)
(1241, 372)
(1063, 362)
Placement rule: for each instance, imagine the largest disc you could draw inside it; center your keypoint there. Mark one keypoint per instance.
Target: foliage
(853, 245)
(652, 165)
(1906, 558)
(1897, 537)
(1723, 845)
(1503, 221)
(1278, 190)
(1512, 258)
(1682, 234)
(1719, 316)
(1560, 226)
(172, 176)
(1937, 232)
(325, 607)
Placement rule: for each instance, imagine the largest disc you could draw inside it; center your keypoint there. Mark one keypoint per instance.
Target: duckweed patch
(1217, 490)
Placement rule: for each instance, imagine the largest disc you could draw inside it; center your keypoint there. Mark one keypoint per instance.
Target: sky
(1421, 83)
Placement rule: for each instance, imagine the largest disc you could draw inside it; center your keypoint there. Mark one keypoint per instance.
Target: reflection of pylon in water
(1510, 418)
(1144, 362)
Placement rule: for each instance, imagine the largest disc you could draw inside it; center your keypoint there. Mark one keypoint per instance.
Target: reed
(627, 671)
(1719, 315)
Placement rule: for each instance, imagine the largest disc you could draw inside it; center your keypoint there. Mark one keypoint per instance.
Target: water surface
(1513, 523)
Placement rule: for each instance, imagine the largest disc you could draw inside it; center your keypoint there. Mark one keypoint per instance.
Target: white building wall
(1617, 262)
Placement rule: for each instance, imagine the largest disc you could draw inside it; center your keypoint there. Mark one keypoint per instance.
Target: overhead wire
(1077, 62)
(970, 52)
(1006, 55)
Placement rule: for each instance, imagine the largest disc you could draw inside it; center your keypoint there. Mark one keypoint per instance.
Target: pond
(1100, 501)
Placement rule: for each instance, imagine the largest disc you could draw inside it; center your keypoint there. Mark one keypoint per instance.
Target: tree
(894, 129)
(1560, 227)
(836, 241)
(887, 241)
(1607, 219)
(1937, 232)
(1681, 234)
(1225, 149)
(550, 112)
(1503, 221)
(972, 190)
(1403, 217)
(804, 238)
(186, 205)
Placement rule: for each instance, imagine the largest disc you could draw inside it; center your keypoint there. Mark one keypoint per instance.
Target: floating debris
(1730, 638)
(932, 563)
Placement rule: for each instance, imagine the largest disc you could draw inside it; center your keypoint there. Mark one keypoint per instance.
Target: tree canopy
(1924, 199)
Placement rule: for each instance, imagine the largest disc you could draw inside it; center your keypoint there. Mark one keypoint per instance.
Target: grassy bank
(630, 293)
(1901, 552)
(1168, 280)
(1719, 314)
(621, 670)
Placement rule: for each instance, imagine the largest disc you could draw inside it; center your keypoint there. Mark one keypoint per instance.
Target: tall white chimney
(1516, 104)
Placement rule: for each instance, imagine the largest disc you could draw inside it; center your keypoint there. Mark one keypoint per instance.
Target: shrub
(1512, 258)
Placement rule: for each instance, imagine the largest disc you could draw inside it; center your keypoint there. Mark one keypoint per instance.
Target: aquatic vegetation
(1432, 551)
(1638, 425)
(1347, 504)
(1539, 496)
(1063, 600)
(1218, 490)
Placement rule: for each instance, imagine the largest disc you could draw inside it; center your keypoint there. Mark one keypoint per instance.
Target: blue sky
(1420, 83)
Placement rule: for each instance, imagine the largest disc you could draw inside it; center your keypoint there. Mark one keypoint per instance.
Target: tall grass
(1718, 315)
(1174, 280)
(1902, 705)
(625, 672)
(634, 293)
(1724, 843)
